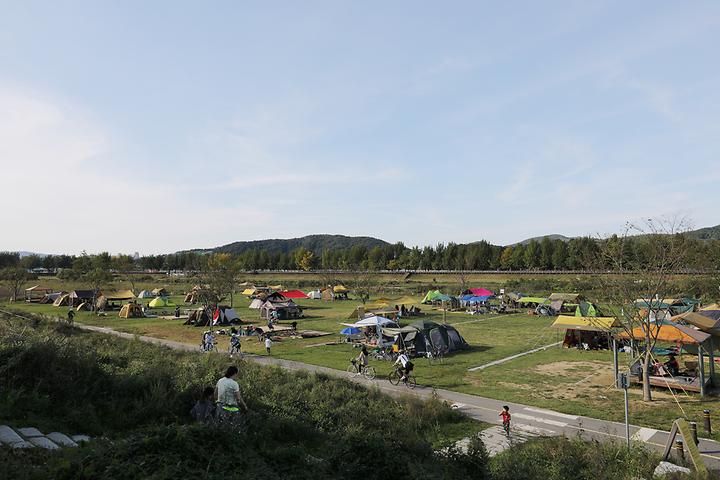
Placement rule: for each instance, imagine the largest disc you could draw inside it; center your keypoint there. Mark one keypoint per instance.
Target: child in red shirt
(505, 414)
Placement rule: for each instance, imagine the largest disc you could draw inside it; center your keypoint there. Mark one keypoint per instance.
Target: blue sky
(157, 126)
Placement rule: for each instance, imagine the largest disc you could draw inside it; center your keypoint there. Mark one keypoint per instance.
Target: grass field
(569, 381)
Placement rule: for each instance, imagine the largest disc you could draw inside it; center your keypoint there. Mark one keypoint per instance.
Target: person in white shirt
(406, 364)
(227, 393)
(268, 344)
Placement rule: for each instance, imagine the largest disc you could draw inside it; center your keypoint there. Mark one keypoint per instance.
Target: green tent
(161, 302)
(538, 300)
(587, 309)
(431, 296)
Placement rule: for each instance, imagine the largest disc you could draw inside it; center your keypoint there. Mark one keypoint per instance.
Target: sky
(167, 125)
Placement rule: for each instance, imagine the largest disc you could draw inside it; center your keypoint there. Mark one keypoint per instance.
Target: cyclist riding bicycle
(234, 344)
(362, 359)
(208, 340)
(406, 365)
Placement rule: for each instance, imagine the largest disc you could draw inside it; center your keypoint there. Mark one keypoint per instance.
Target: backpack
(409, 365)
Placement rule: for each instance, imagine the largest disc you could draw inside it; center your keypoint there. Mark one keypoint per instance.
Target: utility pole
(623, 383)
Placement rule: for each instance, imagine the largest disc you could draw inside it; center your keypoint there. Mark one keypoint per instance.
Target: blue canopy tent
(350, 331)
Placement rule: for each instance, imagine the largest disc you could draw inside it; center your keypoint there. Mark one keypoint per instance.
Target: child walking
(505, 414)
(268, 344)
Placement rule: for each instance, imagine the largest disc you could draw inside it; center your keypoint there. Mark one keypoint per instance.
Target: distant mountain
(315, 243)
(24, 254)
(707, 233)
(552, 236)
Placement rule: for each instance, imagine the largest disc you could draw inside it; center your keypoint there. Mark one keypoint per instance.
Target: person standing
(505, 414)
(227, 395)
(268, 344)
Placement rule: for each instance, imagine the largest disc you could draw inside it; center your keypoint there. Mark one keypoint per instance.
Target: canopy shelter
(36, 293)
(78, 297)
(131, 310)
(374, 321)
(681, 335)
(705, 320)
(589, 333)
(350, 331)
(159, 302)
(589, 324)
(340, 292)
(656, 309)
(283, 310)
(532, 300)
(423, 336)
(119, 296)
(256, 304)
(473, 299)
(51, 297)
(479, 292)
(293, 294)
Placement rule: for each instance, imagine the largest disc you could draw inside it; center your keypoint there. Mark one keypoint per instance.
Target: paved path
(513, 357)
(525, 418)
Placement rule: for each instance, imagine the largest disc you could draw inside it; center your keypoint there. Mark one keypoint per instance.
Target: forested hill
(314, 243)
(707, 233)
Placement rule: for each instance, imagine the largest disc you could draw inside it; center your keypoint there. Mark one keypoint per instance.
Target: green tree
(506, 258)
(532, 255)
(14, 278)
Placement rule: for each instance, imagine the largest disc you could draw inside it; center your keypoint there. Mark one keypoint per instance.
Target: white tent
(146, 294)
(315, 294)
(256, 304)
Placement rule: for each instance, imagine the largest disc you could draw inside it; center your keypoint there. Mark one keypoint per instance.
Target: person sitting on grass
(204, 409)
(227, 394)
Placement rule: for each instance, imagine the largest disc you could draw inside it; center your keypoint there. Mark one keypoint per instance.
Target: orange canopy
(669, 333)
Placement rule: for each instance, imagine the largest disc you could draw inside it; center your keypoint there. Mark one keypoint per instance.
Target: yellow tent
(249, 291)
(340, 289)
(592, 324)
(161, 302)
(131, 310)
(121, 295)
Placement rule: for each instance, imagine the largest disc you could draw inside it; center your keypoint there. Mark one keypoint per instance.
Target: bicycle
(366, 371)
(435, 355)
(396, 377)
(381, 355)
(235, 347)
(206, 347)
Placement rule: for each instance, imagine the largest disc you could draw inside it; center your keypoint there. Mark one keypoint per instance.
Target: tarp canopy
(340, 289)
(161, 302)
(593, 324)
(256, 303)
(706, 320)
(293, 294)
(654, 304)
(350, 331)
(475, 298)
(481, 292)
(669, 333)
(249, 291)
(121, 295)
(565, 297)
(532, 300)
(146, 294)
(374, 321)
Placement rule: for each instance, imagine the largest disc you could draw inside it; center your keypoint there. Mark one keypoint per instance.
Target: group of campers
(222, 403)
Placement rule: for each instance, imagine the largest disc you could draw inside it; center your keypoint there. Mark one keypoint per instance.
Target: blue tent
(350, 331)
(475, 299)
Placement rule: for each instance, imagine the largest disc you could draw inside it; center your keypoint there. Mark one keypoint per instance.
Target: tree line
(582, 253)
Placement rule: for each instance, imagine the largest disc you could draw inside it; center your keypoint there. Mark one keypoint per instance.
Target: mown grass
(491, 337)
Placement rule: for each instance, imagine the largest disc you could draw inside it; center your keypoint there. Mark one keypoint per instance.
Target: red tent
(293, 294)
(481, 292)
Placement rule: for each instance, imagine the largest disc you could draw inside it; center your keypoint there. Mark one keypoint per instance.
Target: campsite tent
(374, 321)
(431, 296)
(62, 301)
(314, 294)
(78, 297)
(160, 292)
(293, 294)
(51, 297)
(422, 336)
(146, 294)
(158, 302)
(200, 317)
(328, 295)
(131, 310)
(224, 315)
(479, 292)
(256, 303)
(473, 299)
(36, 293)
(285, 310)
(589, 324)
(119, 296)
(341, 292)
